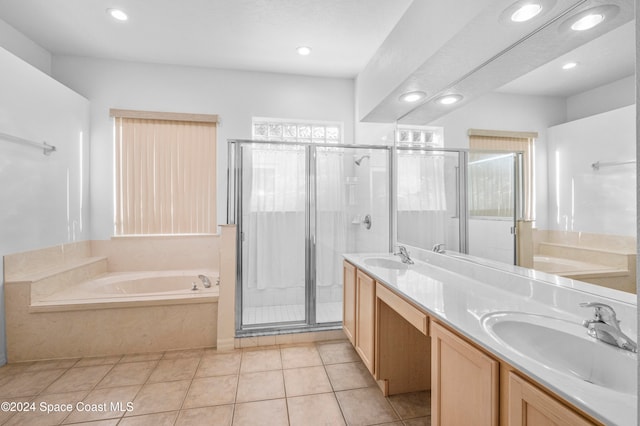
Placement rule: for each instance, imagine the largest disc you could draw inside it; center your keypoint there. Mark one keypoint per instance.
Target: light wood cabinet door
(464, 384)
(529, 406)
(365, 319)
(349, 301)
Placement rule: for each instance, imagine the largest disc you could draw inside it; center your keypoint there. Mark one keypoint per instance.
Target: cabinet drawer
(404, 308)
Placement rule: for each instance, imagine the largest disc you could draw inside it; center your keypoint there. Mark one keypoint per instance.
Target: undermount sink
(384, 262)
(565, 347)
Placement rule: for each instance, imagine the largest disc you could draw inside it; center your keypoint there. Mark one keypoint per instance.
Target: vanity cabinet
(465, 383)
(407, 350)
(530, 406)
(365, 319)
(349, 301)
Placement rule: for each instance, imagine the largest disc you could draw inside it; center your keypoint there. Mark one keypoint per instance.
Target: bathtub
(111, 314)
(130, 289)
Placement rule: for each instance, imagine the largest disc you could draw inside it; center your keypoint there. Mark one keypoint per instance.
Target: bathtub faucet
(205, 281)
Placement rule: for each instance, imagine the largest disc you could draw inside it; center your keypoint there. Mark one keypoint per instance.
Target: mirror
(583, 221)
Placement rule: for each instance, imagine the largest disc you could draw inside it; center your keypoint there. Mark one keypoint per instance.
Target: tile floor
(325, 312)
(311, 384)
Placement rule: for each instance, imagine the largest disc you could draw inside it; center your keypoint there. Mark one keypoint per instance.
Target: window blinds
(165, 176)
(494, 140)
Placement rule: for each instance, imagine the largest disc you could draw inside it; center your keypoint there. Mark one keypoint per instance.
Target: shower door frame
(518, 196)
(234, 216)
(460, 184)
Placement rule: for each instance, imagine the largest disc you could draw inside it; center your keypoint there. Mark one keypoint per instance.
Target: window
(165, 173)
(277, 129)
(491, 176)
(279, 170)
(421, 182)
(420, 136)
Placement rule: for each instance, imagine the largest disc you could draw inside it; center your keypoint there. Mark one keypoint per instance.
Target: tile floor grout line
(186, 394)
(335, 396)
(143, 384)
(88, 391)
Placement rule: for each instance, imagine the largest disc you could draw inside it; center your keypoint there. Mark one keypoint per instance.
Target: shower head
(359, 160)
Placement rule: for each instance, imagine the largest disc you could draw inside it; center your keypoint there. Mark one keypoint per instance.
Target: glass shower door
(493, 188)
(430, 210)
(273, 234)
(299, 207)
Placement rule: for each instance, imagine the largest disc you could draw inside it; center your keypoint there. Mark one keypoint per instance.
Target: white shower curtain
(274, 218)
(274, 240)
(331, 216)
(423, 218)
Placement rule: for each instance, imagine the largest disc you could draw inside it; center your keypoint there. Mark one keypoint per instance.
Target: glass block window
(420, 136)
(277, 129)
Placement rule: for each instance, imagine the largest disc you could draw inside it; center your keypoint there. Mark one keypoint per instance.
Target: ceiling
(258, 35)
(606, 59)
(262, 35)
(527, 65)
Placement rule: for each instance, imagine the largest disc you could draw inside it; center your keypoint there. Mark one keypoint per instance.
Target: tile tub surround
(37, 328)
(461, 298)
(287, 384)
(98, 332)
(606, 260)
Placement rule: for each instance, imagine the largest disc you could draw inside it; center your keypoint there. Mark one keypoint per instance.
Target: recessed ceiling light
(412, 96)
(526, 12)
(449, 99)
(569, 65)
(587, 22)
(589, 18)
(117, 14)
(304, 50)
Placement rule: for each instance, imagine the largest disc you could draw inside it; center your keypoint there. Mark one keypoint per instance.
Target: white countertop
(458, 293)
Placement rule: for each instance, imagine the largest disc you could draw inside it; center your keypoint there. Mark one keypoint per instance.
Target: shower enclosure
(431, 198)
(298, 207)
(495, 204)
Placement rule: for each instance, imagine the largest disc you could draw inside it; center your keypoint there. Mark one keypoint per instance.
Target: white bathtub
(129, 289)
(162, 282)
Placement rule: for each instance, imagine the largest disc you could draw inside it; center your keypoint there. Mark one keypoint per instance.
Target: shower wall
(595, 201)
(44, 198)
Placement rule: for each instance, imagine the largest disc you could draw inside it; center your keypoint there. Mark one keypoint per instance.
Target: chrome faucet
(605, 327)
(404, 255)
(438, 248)
(205, 281)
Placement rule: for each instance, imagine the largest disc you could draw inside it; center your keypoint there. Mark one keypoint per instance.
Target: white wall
(235, 96)
(581, 198)
(44, 198)
(611, 96)
(498, 111)
(24, 48)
